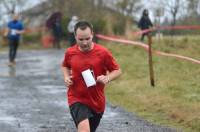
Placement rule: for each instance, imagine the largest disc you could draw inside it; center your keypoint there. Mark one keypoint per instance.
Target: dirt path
(33, 99)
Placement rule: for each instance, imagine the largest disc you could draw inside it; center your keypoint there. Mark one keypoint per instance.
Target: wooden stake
(150, 61)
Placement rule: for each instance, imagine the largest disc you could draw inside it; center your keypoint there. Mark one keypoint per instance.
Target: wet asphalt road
(33, 98)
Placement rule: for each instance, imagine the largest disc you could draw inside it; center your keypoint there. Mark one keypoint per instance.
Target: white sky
(147, 4)
(31, 3)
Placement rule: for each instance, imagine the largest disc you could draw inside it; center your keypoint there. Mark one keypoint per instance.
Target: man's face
(15, 16)
(146, 13)
(84, 39)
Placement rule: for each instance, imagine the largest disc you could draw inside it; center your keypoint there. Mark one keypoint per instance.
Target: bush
(119, 25)
(3, 41)
(64, 23)
(33, 38)
(99, 25)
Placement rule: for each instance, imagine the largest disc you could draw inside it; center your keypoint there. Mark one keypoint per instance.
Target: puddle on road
(109, 113)
(53, 89)
(8, 71)
(7, 119)
(4, 118)
(29, 60)
(62, 103)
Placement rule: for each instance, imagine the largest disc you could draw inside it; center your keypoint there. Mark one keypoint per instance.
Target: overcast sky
(149, 4)
(34, 2)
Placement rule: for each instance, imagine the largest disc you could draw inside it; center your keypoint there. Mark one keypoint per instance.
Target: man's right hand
(5, 34)
(68, 81)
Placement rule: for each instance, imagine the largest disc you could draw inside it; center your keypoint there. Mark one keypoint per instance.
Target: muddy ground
(33, 98)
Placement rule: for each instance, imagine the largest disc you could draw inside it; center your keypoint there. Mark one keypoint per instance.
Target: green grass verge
(175, 99)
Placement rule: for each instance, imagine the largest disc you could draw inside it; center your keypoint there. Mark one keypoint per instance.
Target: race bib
(88, 78)
(13, 32)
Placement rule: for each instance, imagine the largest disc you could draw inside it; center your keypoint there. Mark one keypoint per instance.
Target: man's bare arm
(67, 76)
(109, 77)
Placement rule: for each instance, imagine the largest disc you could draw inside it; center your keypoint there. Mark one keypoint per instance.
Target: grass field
(175, 99)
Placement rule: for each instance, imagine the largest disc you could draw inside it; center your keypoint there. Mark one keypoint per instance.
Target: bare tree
(57, 5)
(98, 3)
(10, 6)
(128, 7)
(175, 8)
(193, 7)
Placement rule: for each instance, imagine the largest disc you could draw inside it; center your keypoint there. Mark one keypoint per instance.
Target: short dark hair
(145, 12)
(83, 25)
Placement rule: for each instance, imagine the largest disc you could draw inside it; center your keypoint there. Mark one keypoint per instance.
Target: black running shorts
(80, 112)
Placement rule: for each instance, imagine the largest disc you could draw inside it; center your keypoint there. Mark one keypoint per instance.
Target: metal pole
(150, 60)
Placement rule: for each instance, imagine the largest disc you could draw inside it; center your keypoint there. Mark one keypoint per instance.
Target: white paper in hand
(88, 78)
(13, 32)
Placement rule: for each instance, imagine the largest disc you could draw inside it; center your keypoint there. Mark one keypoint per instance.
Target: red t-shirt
(100, 60)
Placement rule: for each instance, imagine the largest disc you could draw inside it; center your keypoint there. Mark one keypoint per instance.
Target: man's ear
(75, 36)
(92, 34)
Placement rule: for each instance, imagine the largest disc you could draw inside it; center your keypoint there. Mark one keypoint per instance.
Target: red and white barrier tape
(146, 47)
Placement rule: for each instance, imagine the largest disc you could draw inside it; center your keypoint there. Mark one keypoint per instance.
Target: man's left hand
(103, 79)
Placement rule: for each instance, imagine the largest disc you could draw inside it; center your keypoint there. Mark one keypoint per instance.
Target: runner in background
(53, 24)
(145, 23)
(13, 32)
(70, 29)
(57, 33)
